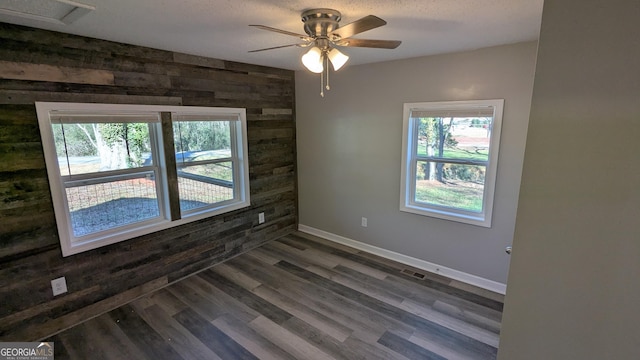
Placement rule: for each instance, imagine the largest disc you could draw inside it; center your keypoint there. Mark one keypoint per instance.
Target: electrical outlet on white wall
(59, 286)
(364, 222)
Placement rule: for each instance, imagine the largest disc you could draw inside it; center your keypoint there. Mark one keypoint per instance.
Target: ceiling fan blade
(379, 44)
(278, 47)
(268, 28)
(366, 23)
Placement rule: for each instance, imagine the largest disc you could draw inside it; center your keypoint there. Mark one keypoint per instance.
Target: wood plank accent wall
(38, 65)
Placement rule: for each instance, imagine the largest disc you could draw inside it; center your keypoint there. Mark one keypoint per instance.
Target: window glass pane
(102, 206)
(202, 140)
(454, 137)
(450, 185)
(430, 133)
(470, 138)
(84, 148)
(203, 185)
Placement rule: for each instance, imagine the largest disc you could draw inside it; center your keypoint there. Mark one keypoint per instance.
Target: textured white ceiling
(219, 28)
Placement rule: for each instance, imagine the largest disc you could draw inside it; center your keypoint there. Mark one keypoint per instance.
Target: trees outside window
(450, 152)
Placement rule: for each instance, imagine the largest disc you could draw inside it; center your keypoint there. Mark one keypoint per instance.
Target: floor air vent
(416, 275)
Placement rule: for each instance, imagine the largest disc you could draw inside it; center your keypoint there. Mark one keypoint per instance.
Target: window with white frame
(449, 159)
(111, 174)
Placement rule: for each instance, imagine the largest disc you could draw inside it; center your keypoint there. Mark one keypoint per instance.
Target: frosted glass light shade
(337, 58)
(312, 60)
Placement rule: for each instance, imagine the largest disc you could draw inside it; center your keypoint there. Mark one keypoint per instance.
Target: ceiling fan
(323, 35)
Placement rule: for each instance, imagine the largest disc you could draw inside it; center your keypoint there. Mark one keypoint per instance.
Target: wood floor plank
(372, 349)
(111, 346)
(212, 337)
(264, 272)
(469, 316)
(103, 330)
(59, 350)
(120, 345)
(398, 314)
(237, 277)
(420, 309)
(407, 348)
(298, 297)
(285, 254)
(250, 339)
(441, 284)
(146, 339)
(222, 301)
(287, 304)
(407, 289)
(321, 340)
(343, 310)
(291, 242)
(195, 299)
(290, 342)
(428, 342)
(262, 256)
(309, 257)
(78, 346)
(450, 350)
(365, 270)
(360, 286)
(167, 301)
(271, 311)
(176, 335)
(428, 313)
(305, 313)
(437, 285)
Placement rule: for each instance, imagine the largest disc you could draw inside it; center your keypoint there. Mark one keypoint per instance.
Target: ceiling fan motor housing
(323, 31)
(318, 23)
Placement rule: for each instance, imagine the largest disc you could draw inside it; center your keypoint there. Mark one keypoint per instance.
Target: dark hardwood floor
(299, 297)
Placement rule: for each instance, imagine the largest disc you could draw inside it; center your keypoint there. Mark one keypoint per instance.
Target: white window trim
(58, 196)
(407, 182)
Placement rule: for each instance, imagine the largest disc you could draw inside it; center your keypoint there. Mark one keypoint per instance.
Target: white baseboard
(408, 260)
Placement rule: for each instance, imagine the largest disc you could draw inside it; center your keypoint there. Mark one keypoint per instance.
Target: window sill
(444, 214)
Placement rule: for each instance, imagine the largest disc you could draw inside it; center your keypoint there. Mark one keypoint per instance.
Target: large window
(121, 171)
(449, 159)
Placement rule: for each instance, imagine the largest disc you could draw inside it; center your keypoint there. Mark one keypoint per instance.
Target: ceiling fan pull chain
(327, 70)
(322, 84)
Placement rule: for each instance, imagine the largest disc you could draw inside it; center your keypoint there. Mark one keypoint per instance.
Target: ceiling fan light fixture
(312, 60)
(337, 58)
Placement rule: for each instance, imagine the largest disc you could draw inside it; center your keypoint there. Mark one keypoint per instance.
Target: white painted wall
(349, 153)
(574, 286)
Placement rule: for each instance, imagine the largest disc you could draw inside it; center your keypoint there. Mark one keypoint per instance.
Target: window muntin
(449, 159)
(108, 175)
